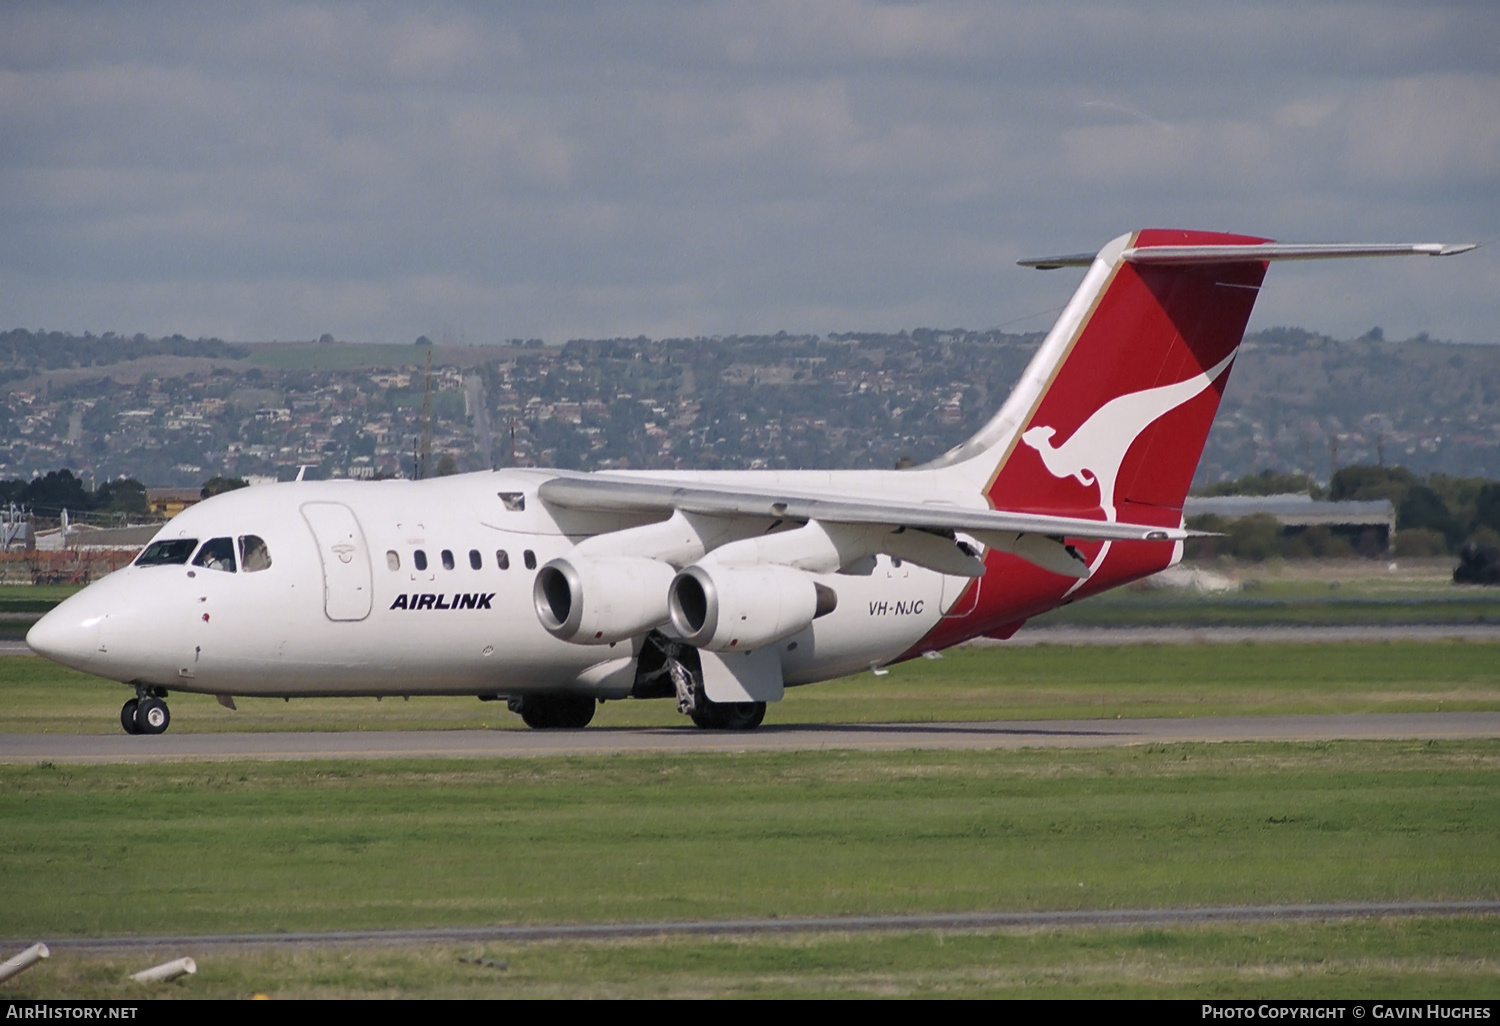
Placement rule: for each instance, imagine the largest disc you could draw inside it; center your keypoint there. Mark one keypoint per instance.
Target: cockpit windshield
(253, 553)
(216, 554)
(164, 553)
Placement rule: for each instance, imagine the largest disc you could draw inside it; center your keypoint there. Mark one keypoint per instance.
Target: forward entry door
(347, 580)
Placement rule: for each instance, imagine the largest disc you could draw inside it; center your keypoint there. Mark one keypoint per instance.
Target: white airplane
(555, 590)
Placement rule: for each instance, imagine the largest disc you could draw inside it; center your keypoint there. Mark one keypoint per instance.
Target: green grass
(1046, 682)
(1041, 682)
(306, 846)
(1258, 609)
(1311, 593)
(33, 598)
(1394, 959)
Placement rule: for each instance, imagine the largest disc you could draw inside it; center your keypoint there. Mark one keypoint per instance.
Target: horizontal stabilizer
(1180, 255)
(1177, 255)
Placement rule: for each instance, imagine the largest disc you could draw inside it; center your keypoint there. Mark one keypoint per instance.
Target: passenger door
(347, 578)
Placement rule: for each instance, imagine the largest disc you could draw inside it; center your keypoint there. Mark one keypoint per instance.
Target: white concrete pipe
(166, 971)
(24, 961)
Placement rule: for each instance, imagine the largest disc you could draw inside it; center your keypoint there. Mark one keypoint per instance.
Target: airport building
(1369, 526)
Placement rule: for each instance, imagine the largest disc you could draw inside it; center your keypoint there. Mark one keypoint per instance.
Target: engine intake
(734, 609)
(601, 601)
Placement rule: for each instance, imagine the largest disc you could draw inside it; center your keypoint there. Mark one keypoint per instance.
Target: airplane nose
(66, 637)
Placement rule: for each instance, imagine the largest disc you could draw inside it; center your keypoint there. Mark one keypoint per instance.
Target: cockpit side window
(216, 554)
(253, 553)
(166, 553)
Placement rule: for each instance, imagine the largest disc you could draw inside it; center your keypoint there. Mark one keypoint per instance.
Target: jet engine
(601, 601)
(735, 608)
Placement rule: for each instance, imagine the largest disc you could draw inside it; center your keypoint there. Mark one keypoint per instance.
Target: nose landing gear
(146, 713)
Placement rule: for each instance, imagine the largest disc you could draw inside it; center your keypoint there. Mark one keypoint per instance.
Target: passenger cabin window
(392, 560)
(167, 553)
(502, 559)
(216, 554)
(420, 559)
(447, 559)
(475, 562)
(253, 554)
(530, 558)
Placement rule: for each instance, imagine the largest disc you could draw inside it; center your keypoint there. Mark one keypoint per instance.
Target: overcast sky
(559, 170)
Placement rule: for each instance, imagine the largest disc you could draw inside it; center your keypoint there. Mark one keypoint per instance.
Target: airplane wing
(620, 495)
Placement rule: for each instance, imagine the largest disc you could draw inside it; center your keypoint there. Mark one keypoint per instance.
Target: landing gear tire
(742, 715)
(152, 716)
(728, 715)
(537, 715)
(556, 712)
(127, 716)
(706, 715)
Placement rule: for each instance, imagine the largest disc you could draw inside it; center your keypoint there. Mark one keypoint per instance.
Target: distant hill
(1294, 396)
(176, 411)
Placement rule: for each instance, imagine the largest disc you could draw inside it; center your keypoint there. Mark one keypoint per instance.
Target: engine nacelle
(601, 601)
(735, 608)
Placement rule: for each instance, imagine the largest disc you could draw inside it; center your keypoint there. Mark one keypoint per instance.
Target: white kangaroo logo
(1095, 451)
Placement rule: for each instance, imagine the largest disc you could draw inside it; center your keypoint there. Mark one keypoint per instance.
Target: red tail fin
(1118, 431)
(1110, 418)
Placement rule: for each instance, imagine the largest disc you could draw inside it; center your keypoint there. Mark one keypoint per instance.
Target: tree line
(1435, 515)
(49, 494)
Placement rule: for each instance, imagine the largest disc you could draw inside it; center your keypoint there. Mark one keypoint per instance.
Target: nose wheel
(145, 714)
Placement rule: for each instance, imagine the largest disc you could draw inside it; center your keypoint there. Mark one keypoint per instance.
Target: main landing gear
(728, 715)
(565, 712)
(707, 714)
(146, 713)
(666, 669)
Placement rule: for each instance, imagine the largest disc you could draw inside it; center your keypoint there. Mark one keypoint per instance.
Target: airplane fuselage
(433, 595)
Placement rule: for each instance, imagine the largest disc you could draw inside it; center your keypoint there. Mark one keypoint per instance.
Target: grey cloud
(274, 169)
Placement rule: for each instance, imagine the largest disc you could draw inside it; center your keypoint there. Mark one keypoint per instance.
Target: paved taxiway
(488, 744)
(1072, 918)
